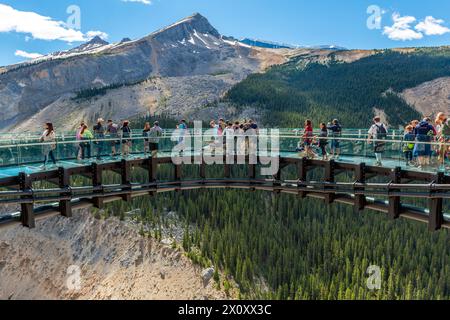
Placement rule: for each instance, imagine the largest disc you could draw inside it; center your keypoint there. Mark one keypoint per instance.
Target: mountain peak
(196, 15)
(94, 43)
(185, 27)
(97, 40)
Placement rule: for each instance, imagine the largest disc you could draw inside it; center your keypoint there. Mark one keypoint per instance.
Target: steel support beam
(152, 168)
(27, 217)
(302, 171)
(178, 174)
(97, 181)
(394, 201)
(360, 177)
(436, 217)
(330, 167)
(65, 206)
(277, 182)
(125, 169)
(251, 173)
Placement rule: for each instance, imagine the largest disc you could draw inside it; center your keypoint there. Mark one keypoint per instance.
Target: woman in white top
(49, 138)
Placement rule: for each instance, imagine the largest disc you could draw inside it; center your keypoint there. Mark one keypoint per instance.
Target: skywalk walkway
(395, 189)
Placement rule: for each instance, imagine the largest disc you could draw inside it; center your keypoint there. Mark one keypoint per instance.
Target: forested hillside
(290, 93)
(284, 247)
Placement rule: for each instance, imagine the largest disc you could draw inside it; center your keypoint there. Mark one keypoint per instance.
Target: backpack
(154, 135)
(381, 132)
(336, 131)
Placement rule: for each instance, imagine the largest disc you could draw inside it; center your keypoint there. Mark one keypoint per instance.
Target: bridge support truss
(434, 187)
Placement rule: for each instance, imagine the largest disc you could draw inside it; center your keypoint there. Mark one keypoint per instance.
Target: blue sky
(344, 23)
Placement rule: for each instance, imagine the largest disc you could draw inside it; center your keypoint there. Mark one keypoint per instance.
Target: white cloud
(147, 2)
(37, 26)
(401, 29)
(27, 55)
(432, 27)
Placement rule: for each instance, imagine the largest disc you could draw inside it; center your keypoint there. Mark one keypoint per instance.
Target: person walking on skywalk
(49, 138)
(377, 134)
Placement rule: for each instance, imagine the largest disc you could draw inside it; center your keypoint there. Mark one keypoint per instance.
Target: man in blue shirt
(335, 132)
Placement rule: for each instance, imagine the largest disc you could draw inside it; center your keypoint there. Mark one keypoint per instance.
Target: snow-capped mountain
(278, 45)
(191, 47)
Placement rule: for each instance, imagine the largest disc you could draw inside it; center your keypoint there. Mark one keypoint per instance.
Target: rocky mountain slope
(179, 71)
(188, 48)
(430, 97)
(114, 262)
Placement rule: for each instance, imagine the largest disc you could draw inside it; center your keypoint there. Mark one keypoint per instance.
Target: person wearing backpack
(377, 133)
(154, 136)
(408, 146)
(425, 133)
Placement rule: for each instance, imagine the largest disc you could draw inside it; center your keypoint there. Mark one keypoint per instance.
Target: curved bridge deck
(403, 183)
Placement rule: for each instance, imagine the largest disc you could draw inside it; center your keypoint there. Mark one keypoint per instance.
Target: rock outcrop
(85, 258)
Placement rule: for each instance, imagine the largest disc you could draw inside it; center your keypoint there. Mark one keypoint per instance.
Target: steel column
(395, 202)
(97, 181)
(330, 167)
(360, 177)
(27, 217)
(178, 174)
(126, 179)
(251, 170)
(277, 178)
(152, 168)
(65, 206)
(436, 217)
(302, 171)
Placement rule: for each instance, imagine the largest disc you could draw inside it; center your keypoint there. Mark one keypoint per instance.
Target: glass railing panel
(351, 149)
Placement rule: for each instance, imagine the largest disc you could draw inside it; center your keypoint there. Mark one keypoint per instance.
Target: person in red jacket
(308, 137)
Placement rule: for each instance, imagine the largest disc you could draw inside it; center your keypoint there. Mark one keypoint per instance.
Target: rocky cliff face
(188, 48)
(85, 258)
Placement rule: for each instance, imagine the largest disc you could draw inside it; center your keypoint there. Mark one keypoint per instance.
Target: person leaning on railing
(49, 138)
